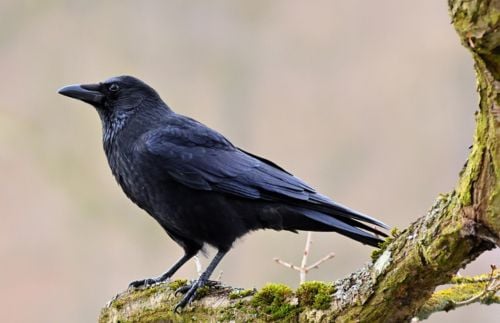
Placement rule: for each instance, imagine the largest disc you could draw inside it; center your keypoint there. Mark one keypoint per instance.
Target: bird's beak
(86, 92)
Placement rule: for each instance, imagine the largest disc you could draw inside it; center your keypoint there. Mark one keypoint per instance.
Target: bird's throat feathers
(144, 115)
(111, 126)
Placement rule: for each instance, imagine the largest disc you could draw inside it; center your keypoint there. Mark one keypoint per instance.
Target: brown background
(371, 102)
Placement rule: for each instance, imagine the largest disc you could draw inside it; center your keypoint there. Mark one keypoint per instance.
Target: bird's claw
(142, 283)
(187, 299)
(189, 292)
(146, 282)
(183, 289)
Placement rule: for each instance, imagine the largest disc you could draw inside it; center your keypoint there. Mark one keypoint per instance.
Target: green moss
(158, 314)
(227, 315)
(240, 304)
(131, 296)
(475, 279)
(383, 245)
(472, 168)
(176, 284)
(241, 293)
(315, 294)
(447, 299)
(202, 291)
(283, 312)
(274, 301)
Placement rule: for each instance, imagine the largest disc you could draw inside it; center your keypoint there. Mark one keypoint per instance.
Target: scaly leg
(190, 290)
(169, 273)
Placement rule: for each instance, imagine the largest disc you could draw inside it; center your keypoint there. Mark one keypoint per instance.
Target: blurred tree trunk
(405, 272)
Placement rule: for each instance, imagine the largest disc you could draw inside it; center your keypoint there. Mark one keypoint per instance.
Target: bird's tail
(344, 221)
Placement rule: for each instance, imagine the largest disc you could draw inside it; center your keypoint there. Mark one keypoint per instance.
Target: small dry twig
(197, 263)
(463, 291)
(199, 268)
(492, 287)
(304, 269)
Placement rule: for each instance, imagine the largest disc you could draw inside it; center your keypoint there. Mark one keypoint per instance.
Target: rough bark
(405, 272)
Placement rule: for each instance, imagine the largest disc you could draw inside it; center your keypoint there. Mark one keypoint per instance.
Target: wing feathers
(204, 160)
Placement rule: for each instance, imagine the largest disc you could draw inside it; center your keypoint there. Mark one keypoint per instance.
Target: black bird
(199, 186)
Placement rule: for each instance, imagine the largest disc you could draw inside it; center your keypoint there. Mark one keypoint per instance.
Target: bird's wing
(203, 159)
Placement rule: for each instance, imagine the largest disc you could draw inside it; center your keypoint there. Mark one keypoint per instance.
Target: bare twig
(286, 264)
(303, 264)
(199, 268)
(492, 287)
(304, 269)
(319, 262)
(197, 262)
(464, 291)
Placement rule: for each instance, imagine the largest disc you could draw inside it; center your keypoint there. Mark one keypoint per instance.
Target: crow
(200, 187)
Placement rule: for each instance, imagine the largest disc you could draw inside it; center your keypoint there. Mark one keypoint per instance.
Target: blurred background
(370, 102)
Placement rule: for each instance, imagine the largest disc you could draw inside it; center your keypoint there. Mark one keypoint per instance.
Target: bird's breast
(129, 176)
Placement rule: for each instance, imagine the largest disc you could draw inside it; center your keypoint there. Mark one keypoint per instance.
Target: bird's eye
(114, 87)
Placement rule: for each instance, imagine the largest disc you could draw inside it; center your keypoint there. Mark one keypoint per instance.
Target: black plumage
(199, 186)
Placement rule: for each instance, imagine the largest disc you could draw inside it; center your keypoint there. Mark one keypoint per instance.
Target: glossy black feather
(202, 159)
(200, 187)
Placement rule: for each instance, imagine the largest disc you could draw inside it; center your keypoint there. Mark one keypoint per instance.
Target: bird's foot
(189, 292)
(147, 282)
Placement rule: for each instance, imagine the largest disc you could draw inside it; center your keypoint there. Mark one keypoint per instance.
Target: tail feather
(326, 205)
(299, 218)
(348, 229)
(322, 204)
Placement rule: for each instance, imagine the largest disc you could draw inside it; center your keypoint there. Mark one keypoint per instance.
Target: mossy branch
(398, 284)
(464, 291)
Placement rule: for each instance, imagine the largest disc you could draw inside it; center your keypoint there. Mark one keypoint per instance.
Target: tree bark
(410, 265)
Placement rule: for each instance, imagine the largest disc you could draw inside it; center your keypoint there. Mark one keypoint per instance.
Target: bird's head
(115, 97)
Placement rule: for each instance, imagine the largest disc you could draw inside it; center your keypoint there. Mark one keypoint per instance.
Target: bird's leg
(190, 290)
(164, 276)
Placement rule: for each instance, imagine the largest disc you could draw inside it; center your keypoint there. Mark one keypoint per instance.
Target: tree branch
(464, 291)
(405, 272)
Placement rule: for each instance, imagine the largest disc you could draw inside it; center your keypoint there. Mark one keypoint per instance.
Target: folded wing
(202, 159)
